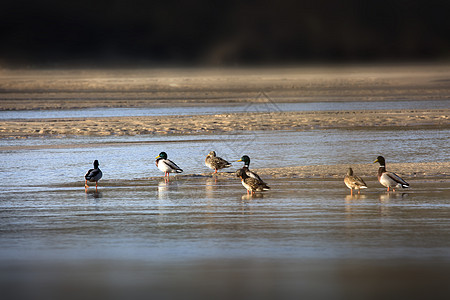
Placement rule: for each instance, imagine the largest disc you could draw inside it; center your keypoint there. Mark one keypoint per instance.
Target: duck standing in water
(93, 175)
(354, 182)
(249, 173)
(252, 185)
(216, 163)
(166, 165)
(389, 179)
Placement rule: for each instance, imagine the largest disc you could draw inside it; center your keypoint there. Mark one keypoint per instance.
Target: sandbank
(201, 124)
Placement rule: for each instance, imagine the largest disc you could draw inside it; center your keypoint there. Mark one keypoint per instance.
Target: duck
(389, 179)
(216, 163)
(93, 175)
(246, 166)
(354, 182)
(166, 165)
(251, 184)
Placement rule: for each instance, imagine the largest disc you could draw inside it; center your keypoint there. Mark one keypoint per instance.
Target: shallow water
(197, 237)
(50, 161)
(201, 237)
(266, 106)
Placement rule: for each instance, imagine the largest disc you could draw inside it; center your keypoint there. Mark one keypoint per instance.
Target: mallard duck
(246, 166)
(216, 163)
(354, 182)
(389, 179)
(93, 175)
(251, 184)
(166, 165)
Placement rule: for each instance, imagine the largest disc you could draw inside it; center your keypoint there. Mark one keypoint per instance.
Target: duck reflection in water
(391, 196)
(94, 194)
(350, 198)
(252, 196)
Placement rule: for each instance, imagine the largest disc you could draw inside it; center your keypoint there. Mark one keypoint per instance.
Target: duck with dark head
(93, 175)
(246, 168)
(166, 165)
(389, 179)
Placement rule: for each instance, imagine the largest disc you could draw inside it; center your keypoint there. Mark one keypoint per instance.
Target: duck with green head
(93, 175)
(389, 179)
(166, 165)
(246, 166)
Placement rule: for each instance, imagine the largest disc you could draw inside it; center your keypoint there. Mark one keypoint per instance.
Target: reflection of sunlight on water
(211, 186)
(163, 189)
(350, 202)
(149, 228)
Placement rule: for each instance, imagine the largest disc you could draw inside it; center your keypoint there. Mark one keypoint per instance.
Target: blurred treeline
(220, 33)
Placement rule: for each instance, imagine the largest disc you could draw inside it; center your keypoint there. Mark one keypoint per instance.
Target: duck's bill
(376, 160)
(239, 160)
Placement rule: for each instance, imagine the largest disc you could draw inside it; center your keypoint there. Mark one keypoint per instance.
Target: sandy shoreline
(210, 124)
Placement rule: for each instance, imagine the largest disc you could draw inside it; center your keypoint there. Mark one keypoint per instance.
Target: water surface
(201, 237)
(267, 106)
(197, 237)
(49, 161)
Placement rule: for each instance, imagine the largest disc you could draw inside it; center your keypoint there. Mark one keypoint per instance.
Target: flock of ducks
(251, 181)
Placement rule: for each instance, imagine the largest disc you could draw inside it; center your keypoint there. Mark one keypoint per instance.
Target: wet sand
(431, 170)
(225, 123)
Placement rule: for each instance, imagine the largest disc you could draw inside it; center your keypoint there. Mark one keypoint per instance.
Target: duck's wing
(172, 165)
(219, 162)
(253, 175)
(256, 185)
(92, 173)
(359, 181)
(397, 179)
(88, 174)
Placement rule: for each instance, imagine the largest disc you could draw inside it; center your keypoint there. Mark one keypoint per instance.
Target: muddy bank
(77, 89)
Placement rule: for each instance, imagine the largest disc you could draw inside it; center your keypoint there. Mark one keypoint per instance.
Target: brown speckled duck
(354, 182)
(216, 163)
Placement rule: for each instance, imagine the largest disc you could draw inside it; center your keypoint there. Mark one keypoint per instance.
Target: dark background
(59, 33)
